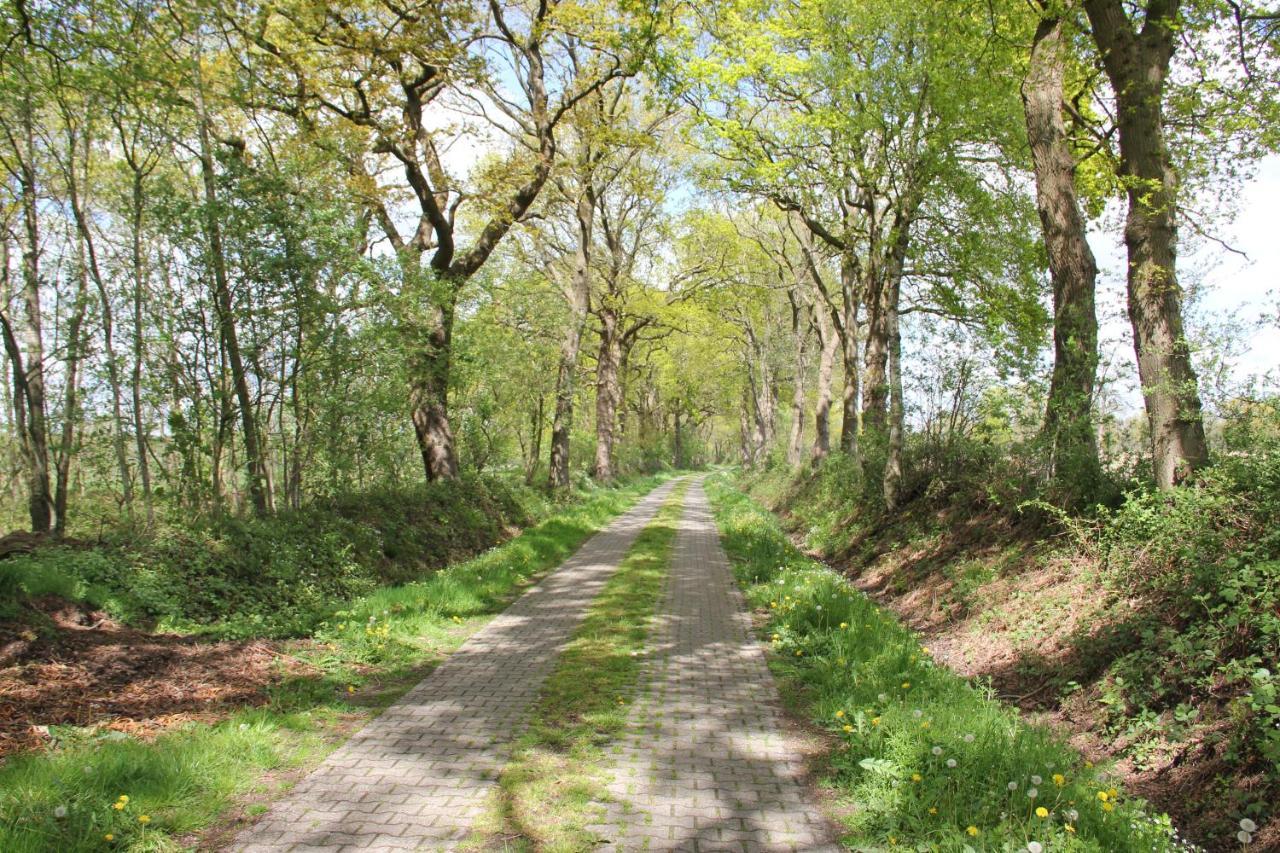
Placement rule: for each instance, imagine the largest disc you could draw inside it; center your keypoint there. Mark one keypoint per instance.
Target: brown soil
(1043, 632)
(65, 666)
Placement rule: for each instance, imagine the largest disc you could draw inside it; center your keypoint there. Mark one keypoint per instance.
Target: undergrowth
(923, 758)
(277, 576)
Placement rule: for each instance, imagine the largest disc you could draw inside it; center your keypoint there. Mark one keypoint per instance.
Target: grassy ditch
(109, 791)
(558, 768)
(921, 758)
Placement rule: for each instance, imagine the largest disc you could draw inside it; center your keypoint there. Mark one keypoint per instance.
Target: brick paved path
(706, 765)
(416, 777)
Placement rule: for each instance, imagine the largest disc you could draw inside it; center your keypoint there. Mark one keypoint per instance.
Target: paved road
(704, 766)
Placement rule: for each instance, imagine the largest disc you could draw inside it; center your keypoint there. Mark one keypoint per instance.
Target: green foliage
(922, 754)
(1204, 564)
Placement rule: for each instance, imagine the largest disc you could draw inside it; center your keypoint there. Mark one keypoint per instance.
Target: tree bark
(799, 392)
(70, 399)
(139, 352)
(848, 327)
(1068, 424)
(36, 438)
(223, 304)
(826, 367)
(1137, 66)
(579, 297)
(608, 362)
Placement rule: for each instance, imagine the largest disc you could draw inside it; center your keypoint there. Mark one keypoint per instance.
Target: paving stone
(440, 748)
(705, 754)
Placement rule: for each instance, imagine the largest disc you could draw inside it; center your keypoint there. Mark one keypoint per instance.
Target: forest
(311, 312)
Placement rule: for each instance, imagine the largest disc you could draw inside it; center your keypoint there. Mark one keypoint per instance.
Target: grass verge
(921, 758)
(114, 792)
(557, 772)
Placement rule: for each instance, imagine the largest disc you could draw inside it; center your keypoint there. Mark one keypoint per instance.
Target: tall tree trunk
(608, 392)
(89, 264)
(1068, 424)
(429, 398)
(875, 357)
(892, 482)
(826, 367)
(139, 352)
(849, 355)
(70, 398)
(224, 307)
(1137, 65)
(36, 443)
(799, 392)
(578, 295)
(537, 421)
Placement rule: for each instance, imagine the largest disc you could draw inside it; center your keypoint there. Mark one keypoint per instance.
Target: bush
(278, 576)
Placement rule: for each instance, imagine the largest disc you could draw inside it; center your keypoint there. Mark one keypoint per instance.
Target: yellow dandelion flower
(124, 798)
(1103, 795)
(108, 837)
(875, 721)
(906, 685)
(1113, 793)
(844, 624)
(925, 724)
(839, 714)
(118, 806)
(848, 728)
(972, 830)
(799, 653)
(1059, 779)
(144, 819)
(1069, 828)
(916, 777)
(1106, 807)
(933, 809)
(1088, 764)
(1042, 812)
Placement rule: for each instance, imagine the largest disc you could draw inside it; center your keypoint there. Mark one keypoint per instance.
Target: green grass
(557, 772)
(369, 654)
(897, 721)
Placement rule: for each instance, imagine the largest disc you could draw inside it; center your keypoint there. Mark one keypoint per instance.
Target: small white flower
(60, 812)
(968, 738)
(1036, 780)
(1032, 793)
(1035, 847)
(951, 762)
(937, 750)
(1248, 825)
(818, 606)
(1013, 786)
(1244, 837)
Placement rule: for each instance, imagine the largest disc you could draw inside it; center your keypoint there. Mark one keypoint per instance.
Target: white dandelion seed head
(881, 696)
(968, 738)
(1035, 847)
(60, 812)
(1244, 837)
(1032, 793)
(917, 713)
(1036, 780)
(937, 750)
(1013, 786)
(1248, 825)
(951, 762)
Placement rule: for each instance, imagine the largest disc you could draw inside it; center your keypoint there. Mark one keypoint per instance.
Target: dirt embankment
(998, 603)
